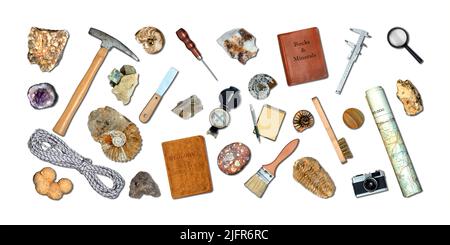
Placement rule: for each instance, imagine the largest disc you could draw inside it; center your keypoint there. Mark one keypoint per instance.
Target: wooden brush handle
(66, 118)
(150, 108)
(285, 153)
(329, 129)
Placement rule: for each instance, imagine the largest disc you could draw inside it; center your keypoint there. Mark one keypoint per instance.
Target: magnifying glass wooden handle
(416, 56)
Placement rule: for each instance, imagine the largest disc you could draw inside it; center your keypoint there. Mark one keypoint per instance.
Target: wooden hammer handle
(64, 121)
(285, 153)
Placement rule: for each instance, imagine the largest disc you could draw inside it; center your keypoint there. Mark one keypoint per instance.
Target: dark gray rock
(143, 184)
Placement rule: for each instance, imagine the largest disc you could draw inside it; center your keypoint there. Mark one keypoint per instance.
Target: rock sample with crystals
(114, 77)
(151, 39)
(309, 173)
(410, 97)
(124, 82)
(188, 107)
(42, 95)
(119, 137)
(239, 44)
(143, 184)
(46, 47)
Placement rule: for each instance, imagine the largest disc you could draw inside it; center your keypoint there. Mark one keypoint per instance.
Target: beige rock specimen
(125, 89)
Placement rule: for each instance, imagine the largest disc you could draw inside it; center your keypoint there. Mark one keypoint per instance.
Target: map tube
(393, 141)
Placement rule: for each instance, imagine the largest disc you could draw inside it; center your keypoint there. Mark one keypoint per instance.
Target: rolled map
(393, 141)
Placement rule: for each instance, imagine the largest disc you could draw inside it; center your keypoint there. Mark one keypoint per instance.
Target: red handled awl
(184, 37)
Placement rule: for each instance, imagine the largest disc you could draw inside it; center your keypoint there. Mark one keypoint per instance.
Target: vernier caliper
(356, 51)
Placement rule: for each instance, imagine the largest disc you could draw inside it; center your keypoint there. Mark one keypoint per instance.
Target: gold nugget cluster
(46, 47)
(309, 173)
(44, 182)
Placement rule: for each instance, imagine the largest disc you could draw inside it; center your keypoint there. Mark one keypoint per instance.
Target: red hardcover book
(302, 55)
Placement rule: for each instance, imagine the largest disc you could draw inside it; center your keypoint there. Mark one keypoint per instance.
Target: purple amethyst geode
(42, 95)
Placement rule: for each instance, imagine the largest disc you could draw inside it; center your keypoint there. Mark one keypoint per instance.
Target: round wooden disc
(353, 118)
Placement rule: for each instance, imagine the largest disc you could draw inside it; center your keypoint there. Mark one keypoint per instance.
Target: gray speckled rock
(143, 184)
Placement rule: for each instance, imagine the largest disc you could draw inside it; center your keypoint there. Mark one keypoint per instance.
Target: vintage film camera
(369, 184)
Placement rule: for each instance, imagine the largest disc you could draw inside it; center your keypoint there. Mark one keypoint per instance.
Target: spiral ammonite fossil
(303, 120)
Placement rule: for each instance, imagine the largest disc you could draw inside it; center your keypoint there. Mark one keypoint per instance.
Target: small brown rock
(143, 184)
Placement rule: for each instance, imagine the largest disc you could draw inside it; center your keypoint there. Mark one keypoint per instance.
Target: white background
(286, 201)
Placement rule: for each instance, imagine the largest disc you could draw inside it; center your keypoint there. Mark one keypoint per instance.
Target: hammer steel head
(110, 42)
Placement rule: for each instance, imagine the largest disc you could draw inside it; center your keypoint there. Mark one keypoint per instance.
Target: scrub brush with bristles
(340, 146)
(259, 182)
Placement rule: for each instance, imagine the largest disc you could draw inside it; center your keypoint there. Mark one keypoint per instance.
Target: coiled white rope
(50, 148)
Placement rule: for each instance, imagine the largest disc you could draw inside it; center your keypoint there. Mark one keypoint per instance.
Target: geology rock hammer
(108, 42)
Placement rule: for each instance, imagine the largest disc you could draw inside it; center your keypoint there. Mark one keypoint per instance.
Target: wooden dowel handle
(66, 118)
(285, 153)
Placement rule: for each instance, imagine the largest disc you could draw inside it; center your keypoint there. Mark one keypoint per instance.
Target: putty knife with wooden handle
(108, 42)
(151, 106)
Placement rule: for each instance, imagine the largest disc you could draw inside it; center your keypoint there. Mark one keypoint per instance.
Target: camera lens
(370, 184)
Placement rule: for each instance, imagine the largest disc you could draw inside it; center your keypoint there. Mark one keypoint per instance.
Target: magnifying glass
(399, 38)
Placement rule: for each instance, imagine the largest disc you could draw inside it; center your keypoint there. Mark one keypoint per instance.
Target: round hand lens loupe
(399, 38)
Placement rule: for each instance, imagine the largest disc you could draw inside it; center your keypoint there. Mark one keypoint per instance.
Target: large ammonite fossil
(119, 137)
(303, 120)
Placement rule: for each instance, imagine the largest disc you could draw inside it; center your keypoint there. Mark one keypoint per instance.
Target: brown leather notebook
(187, 167)
(302, 55)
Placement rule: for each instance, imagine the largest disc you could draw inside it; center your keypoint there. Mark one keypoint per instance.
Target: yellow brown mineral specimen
(46, 47)
(410, 97)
